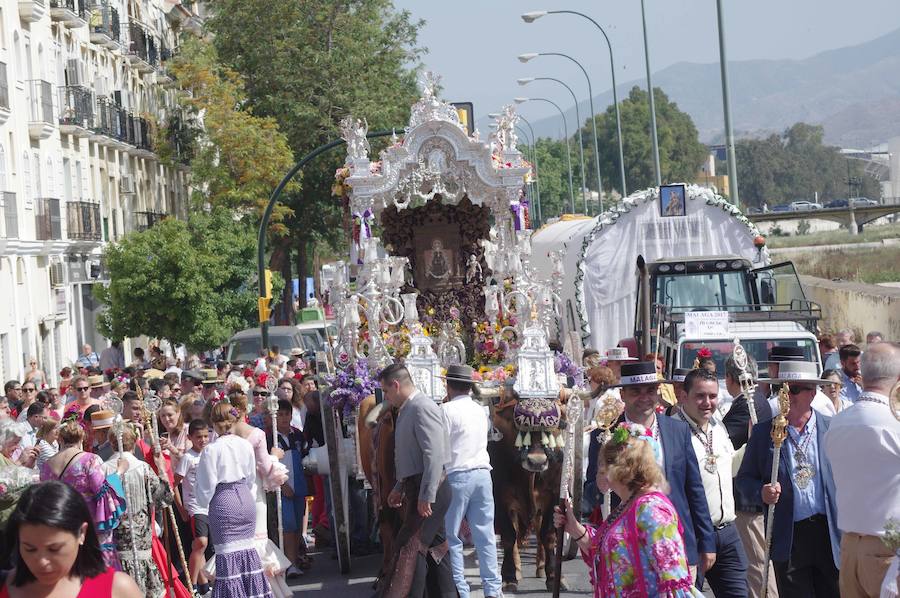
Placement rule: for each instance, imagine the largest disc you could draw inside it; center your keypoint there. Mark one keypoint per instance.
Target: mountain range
(854, 92)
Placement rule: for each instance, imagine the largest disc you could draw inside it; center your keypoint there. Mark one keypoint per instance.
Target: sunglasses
(29, 389)
(260, 394)
(82, 388)
(797, 390)
(176, 389)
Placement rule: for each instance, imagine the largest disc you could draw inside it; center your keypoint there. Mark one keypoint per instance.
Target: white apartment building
(82, 88)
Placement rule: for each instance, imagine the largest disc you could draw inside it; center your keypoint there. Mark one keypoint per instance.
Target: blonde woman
(638, 550)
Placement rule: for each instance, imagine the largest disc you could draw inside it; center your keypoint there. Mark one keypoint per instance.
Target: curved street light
(530, 141)
(530, 17)
(537, 179)
(525, 81)
(523, 58)
(566, 130)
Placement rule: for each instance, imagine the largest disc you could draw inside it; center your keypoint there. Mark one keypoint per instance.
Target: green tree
(190, 283)
(307, 64)
(680, 150)
(797, 165)
(553, 175)
(238, 157)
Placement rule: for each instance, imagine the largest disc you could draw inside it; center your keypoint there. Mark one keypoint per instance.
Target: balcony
(71, 13)
(10, 215)
(142, 139)
(143, 50)
(84, 221)
(32, 10)
(47, 222)
(105, 27)
(144, 220)
(40, 123)
(101, 125)
(4, 94)
(76, 104)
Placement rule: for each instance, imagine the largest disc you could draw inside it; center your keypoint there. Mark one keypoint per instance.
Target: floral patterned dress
(85, 474)
(640, 552)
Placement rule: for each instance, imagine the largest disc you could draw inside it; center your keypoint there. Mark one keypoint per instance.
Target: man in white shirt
(714, 450)
(863, 445)
(469, 476)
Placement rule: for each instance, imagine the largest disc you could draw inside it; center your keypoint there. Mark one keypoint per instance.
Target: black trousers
(728, 576)
(810, 572)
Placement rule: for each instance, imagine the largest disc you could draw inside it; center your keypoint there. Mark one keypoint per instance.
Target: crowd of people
(836, 490)
(679, 485)
(198, 470)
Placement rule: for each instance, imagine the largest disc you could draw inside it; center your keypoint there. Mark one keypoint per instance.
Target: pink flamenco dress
(271, 474)
(85, 474)
(640, 552)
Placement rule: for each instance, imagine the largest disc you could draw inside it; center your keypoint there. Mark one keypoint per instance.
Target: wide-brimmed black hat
(678, 376)
(797, 372)
(780, 353)
(638, 373)
(459, 374)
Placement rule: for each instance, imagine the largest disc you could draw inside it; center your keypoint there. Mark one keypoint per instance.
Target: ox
(526, 477)
(375, 432)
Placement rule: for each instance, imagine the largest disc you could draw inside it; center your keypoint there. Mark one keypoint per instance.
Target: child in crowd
(186, 475)
(294, 491)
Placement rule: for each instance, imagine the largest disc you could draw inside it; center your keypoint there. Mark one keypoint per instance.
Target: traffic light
(264, 312)
(268, 283)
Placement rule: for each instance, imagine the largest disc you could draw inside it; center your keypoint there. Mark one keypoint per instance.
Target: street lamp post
(653, 135)
(525, 81)
(530, 17)
(528, 56)
(726, 106)
(533, 185)
(566, 130)
(537, 179)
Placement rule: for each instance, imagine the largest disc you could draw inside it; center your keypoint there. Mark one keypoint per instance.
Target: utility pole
(726, 103)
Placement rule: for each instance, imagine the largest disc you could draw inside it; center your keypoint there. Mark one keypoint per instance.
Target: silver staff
(272, 404)
(113, 403)
(573, 427)
(748, 384)
(779, 433)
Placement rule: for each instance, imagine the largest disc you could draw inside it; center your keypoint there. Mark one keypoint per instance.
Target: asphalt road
(324, 579)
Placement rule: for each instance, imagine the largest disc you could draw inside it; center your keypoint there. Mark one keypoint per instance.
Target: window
(26, 176)
(3, 186)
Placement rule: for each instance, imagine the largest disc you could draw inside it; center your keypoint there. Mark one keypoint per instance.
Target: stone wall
(862, 307)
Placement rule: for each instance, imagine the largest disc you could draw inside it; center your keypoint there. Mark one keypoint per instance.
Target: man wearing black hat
(766, 400)
(640, 392)
(421, 449)
(469, 476)
(806, 540)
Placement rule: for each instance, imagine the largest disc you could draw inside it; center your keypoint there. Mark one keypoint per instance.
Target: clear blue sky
(473, 44)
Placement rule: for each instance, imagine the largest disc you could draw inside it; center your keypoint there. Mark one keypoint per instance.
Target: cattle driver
(469, 475)
(421, 449)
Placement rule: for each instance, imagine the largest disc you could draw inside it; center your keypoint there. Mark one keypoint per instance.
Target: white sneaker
(294, 572)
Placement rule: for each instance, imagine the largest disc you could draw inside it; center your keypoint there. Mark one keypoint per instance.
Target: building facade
(83, 94)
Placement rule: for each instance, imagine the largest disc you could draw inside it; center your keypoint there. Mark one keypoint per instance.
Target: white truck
(704, 278)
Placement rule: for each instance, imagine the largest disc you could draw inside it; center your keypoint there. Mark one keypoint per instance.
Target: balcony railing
(105, 23)
(142, 44)
(76, 7)
(4, 87)
(41, 101)
(144, 220)
(76, 106)
(11, 215)
(142, 133)
(84, 221)
(102, 122)
(47, 221)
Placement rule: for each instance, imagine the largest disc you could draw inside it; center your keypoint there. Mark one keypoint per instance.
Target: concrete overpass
(852, 218)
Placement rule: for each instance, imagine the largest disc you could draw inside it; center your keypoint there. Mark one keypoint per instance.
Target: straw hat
(619, 354)
(797, 372)
(102, 419)
(96, 381)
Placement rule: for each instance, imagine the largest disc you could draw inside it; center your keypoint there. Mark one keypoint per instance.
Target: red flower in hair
(704, 352)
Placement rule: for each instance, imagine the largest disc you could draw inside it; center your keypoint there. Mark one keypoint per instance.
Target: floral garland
(498, 374)
(563, 364)
(350, 385)
(611, 216)
(489, 345)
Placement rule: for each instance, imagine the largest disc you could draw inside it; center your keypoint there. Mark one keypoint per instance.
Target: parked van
(245, 345)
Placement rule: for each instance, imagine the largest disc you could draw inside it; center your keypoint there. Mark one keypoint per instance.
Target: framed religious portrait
(672, 200)
(438, 258)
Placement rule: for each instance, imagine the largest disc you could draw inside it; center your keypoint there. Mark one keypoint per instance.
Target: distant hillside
(854, 92)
